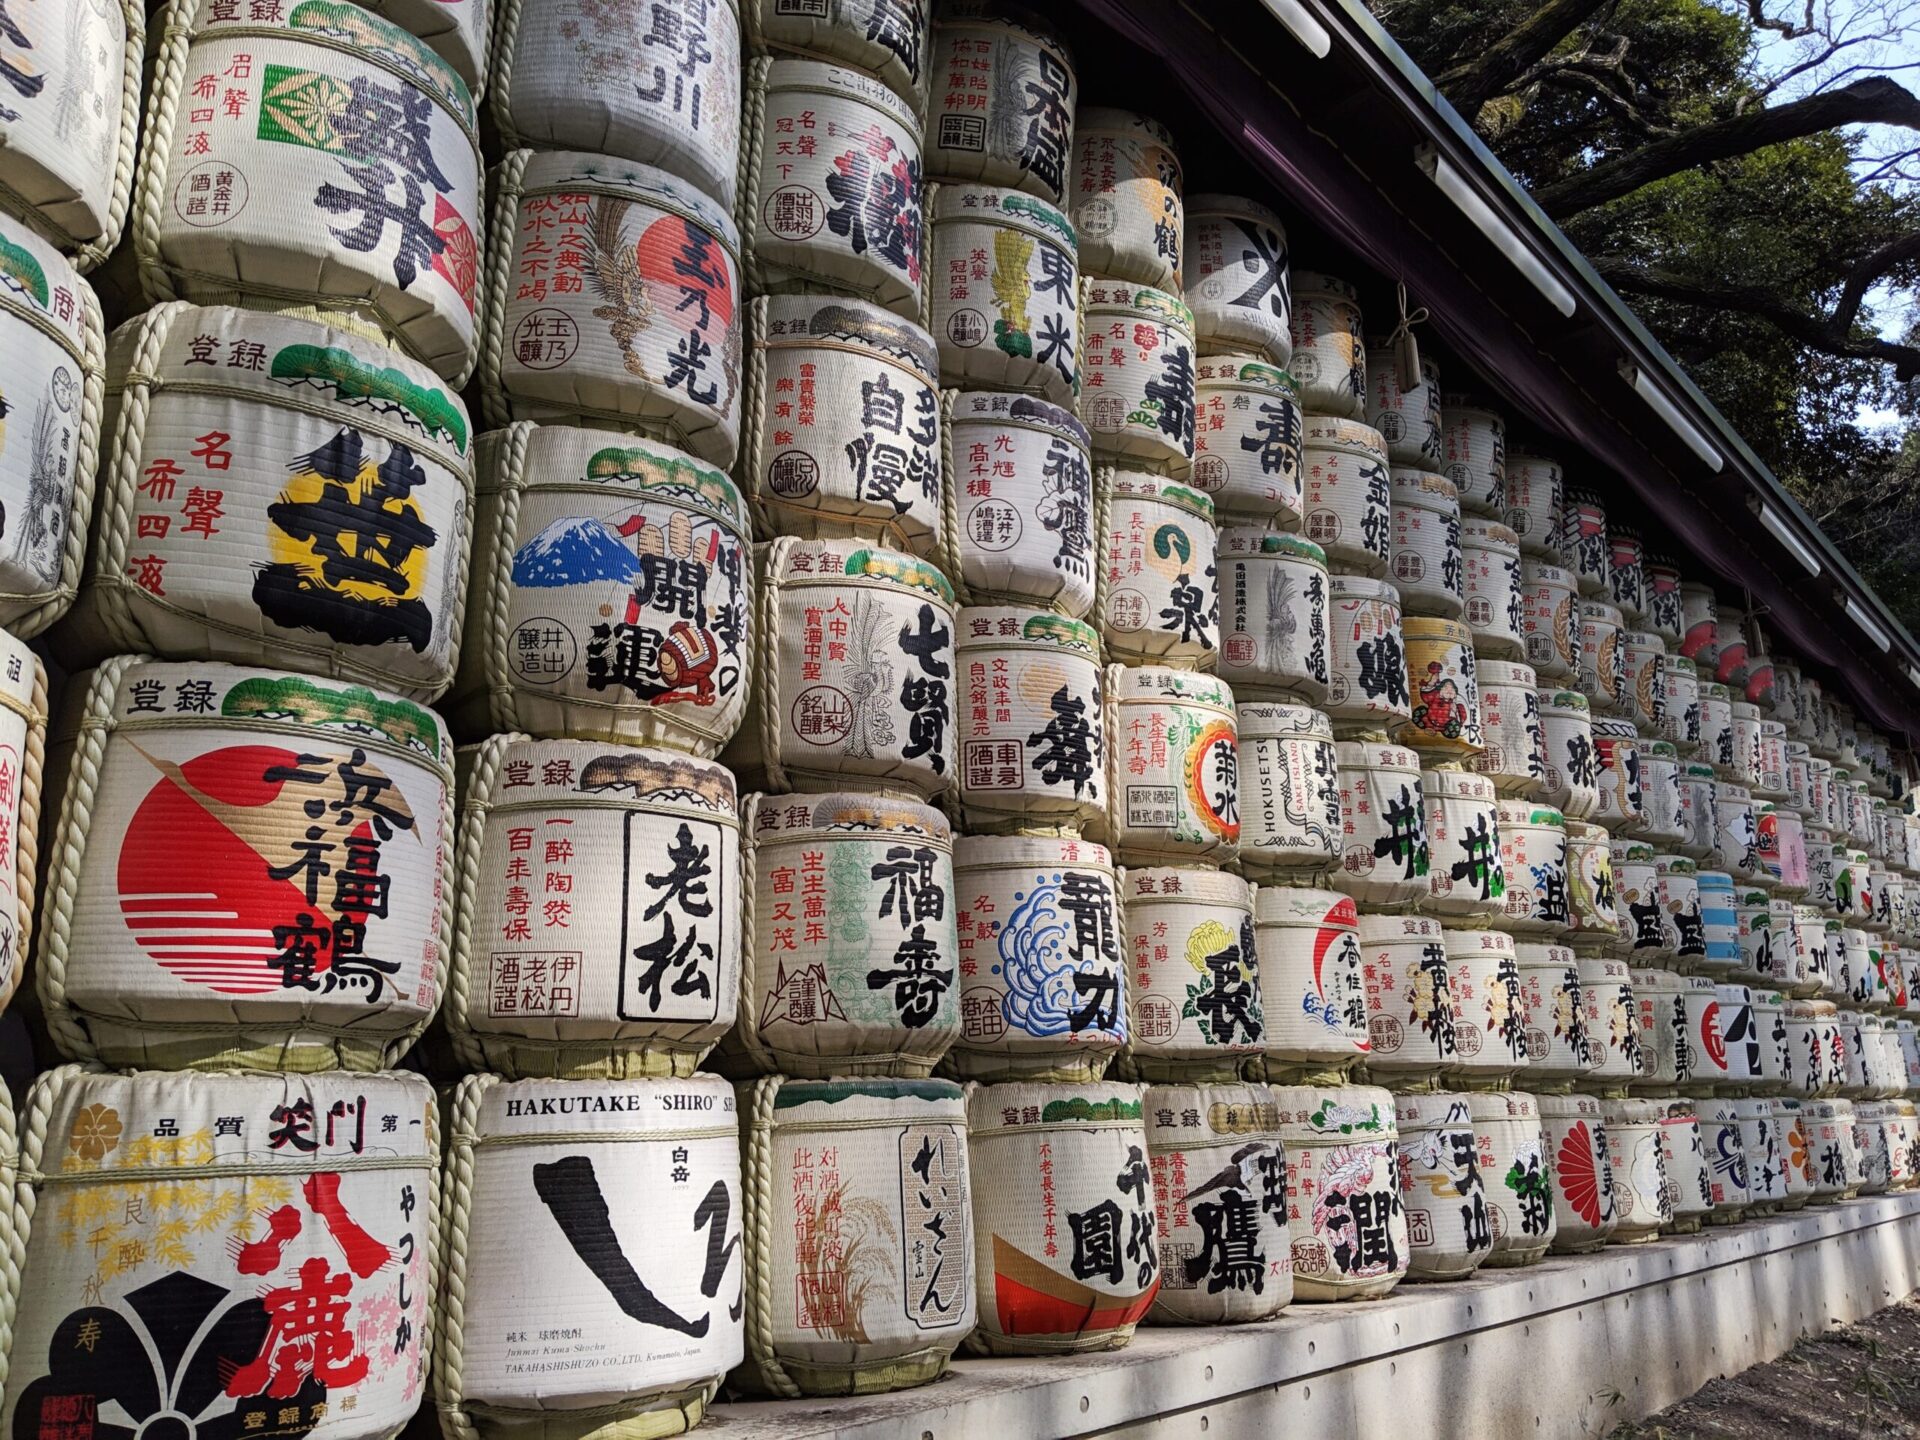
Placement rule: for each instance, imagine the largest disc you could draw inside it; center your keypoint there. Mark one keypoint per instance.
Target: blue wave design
(1038, 969)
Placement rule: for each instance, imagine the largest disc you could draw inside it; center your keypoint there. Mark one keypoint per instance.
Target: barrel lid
(1167, 685)
(1675, 865)
(1362, 587)
(1022, 1105)
(1147, 883)
(844, 82)
(1376, 755)
(1545, 572)
(1488, 534)
(1295, 906)
(1138, 485)
(793, 1094)
(1633, 1112)
(1457, 403)
(1177, 1115)
(1464, 944)
(1103, 119)
(1525, 812)
(1259, 540)
(1663, 981)
(1413, 486)
(560, 171)
(1507, 672)
(1212, 203)
(1005, 407)
(985, 627)
(793, 320)
(777, 819)
(1525, 459)
(1432, 1112)
(1631, 852)
(1458, 785)
(1663, 750)
(991, 851)
(1432, 628)
(555, 772)
(1568, 1107)
(1551, 700)
(1544, 952)
(1335, 432)
(1343, 1112)
(1266, 720)
(1380, 929)
(1495, 1105)
(613, 460)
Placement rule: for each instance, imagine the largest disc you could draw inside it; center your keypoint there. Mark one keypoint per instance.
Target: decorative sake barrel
(1495, 597)
(1642, 1203)
(1022, 478)
(1139, 386)
(1739, 1033)
(1410, 1012)
(1194, 995)
(1591, 912)
(1449, 1227)
(312, 1284)
(1348, 494)
(1716, 729)
(1746, 744)
(854, 682)
(842, 429)
(1583, 543)
(1811, 1035)
(1720, 921)
(23, 736)
(1682, 920)
(1349, 1224)
(1737, 835)
(1770, 1025)
(1219, 1170)
(1661, 1014)
(1031, 720)
(1772, 784)
(1329, 354)
(1072, 1157)
(1603, 677)
(1515, 757)
(1636, 889)
(545, 982)
(1787, 685)
(1408, 417)
(1822, 874)
(1623, 802)
(1626, 574)
(834, 194)
(1689, 1183)
(1820, 795)
(1679, 720)
(1835, 1152)
(350, 108)
(1235, 261)
(1011, 321)
(890, 41)
(1584, 1207)
(1466, 874)
(1475, 455)
(1870, 1140)
(1290, 790)
(1573, 771)
(1425, 561)
(1665, 615)
(1517, 1169)
(561, 345)
(1273, 615)
(1158, 598)
(1664, 820)
(1781, 840)
(1312, 978)
(1444, 687)
(1643, 691)
(1726, 1151)
(1367, 689)
(603, 79)
(1489, 1005)
(1384, 853)
(1003, 99)
(1124, 194)
(51, 333)
(835, 1167)
(1699, 810)
(1175, 766)
(1247, 438)
(1556, 1021)
(357, 490)
(1534, 488)
(850, 948)
(1550, 619)
(1534, 861)
(319, 821)
(1612, 1027)
(1693, 1028)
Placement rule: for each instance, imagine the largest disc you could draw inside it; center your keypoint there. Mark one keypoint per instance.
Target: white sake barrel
(1220, 1202)
(848, 962)
(1466, 874)
(1273, 620)
(1290, 790)
(1247, 438)
(1806, 1049)
(1407, 417)
(1349, 1224)
(1835, 1152)
(1699, 1041)
(1773, 766)
(1426, 564)
(1004, 283)
(834, 193)
(567, 1203)
(1661, 1015)
(1740, 1030)
(23, 740)
(1856, 1082)
(1158, 596)
(1623, 800)
(1665, 822)
(1124, 196)
(1311, 975)
(545, 982)
(1022, 481)
(1787, 685)
(1870, 1139)
(1194, 988)
(1636, 890)
(352, 183)
(1881, 897)
(1518, 1170)
(1139, 388)
(1746, 744)
(1689, 1183)
(646, 337)
(1665, 614)
(1235, 261)
(886, 38)
(613, 593)
(1642, 1203)
(1475, 455)
(1824, 861)
(1556, 1021)
(1820, 795)
(854, 684)
(51, 333)
(313, 928)
(1065, 1254)
(1411, 1030)
(1449, 1227)
(1444, 688)
(1583, 542)
(1329, 355)
(846, 1175)
(1489, 1005)
(1680, 714)
(614, 81)
(458, 31)
(341, 542)
(1626, 573)
(1003, 99)
(1031, 721)
(1515, 758)
(1612, 1024)
(1590, 900)
(1699, 810)
(1175, 767)
(1042, 959)
(1643, 691)
(1367, 674)
(1603, 677)
(1584, 1208)
(1736, 835)
(1534, 860)
(1726, 1152)
(1572, 785)
(1681, 916)
(1720, 920)
(1550, 619)
(1781, 840)
(842, 426)
(1495, 596)
(314, 1282)
(1535, 485)
(1384, 854)
(1348, 495)
(1716, 729)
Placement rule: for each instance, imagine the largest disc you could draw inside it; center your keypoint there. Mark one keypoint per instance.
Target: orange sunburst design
(1219, 732)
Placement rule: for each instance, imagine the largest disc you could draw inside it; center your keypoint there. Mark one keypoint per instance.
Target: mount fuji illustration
(576, 550)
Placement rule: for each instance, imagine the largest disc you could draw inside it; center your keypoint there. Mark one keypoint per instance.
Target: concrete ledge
(1568, 1348)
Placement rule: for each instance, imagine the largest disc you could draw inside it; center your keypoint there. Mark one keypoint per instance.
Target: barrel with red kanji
(1174, 758)
(1125, 196)
(1193, 973)
(1583, 1199)
(1344, 1210)
(1022, 480)
(1246, 445)
(1329, 349)
(1236, 277)
(1004, 94)
(1004, 286)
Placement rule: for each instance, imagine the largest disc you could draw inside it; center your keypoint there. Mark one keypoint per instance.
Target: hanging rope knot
(1406, 349)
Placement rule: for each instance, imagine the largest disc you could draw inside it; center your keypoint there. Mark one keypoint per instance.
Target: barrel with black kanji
(598, 931)
(1518, 1168)
(23, 742)
(596, 1269)
(1329, 356)
(1312, 973)
(276, 491)
(1449, 1227)
(1584, 1208)
(1004, 94)
(1159, 599)
(1193, 973)
(1032, 721)
(1124, 193)
(1004, 287)
(1273, 615)
(1174, 759)
(1385, 858)
(1475, 448)
(858, 1224)
(1642, 1198)
(1138, 393)
(1023, 487)
(1344, 1210)
(849, 960)
(889, 39)
(1290, 790)
(1246, 444)
(251, 870)
(1410, 1012)
(1235, 262)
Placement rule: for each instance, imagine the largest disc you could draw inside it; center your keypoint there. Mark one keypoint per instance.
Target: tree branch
(1491, 74)
(1868, 269)
(1756, 12)
(1875, 101)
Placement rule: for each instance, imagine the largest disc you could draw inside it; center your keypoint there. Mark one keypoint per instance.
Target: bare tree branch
(1493, 72)
(1756, 11)
(1866, 271)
